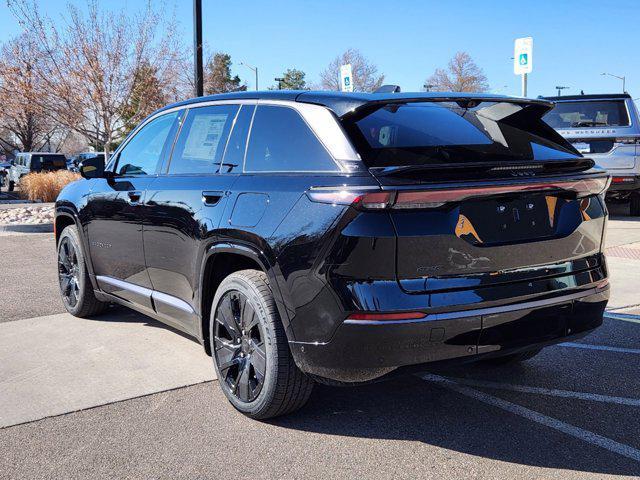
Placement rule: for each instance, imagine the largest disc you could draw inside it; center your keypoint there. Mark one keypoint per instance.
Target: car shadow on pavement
(117, 313)
(411, 409)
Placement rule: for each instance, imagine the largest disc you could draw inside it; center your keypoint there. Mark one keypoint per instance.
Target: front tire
(75, 286)
(250, 351)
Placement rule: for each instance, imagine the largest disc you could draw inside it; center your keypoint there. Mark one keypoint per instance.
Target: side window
(234, 154)
(140, 156)
(202, 140)
(282, 141)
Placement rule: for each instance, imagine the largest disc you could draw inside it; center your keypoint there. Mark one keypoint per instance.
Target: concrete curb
(28, 228)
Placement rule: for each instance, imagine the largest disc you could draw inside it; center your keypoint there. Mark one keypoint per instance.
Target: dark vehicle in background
(606, 128)
(74, 162)
(320, 236)
(28, 162)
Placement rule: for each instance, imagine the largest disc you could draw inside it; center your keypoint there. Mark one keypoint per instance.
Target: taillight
(358, 198)
(432, 198)
(623, 180)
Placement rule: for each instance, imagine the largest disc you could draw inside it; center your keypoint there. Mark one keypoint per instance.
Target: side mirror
(92, 168)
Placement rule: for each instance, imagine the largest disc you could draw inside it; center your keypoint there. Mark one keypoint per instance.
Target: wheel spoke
(249, 317)
(65, 283)
(226, 354)
(259, 362)
(63, 256)
(227, 318)
(244, 391)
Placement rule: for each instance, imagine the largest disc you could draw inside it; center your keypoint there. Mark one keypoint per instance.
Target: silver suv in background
(606, 128)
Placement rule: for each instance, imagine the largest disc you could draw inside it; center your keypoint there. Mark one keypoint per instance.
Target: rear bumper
(364, 350)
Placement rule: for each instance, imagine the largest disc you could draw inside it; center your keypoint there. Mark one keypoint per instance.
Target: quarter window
(281, 141)
(140, 156)
(202, 140)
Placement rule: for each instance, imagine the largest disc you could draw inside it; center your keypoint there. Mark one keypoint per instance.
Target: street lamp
(560, 88)
(255, 70)
(279, 80)
(623, 78)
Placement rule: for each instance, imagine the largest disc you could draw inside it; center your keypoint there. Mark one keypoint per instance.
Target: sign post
(346, 78)
(523, 60)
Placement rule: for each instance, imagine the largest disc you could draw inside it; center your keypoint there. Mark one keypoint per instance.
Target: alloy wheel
(68, 272)
(239, 346)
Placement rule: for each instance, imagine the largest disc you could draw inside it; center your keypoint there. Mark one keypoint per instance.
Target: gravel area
(30, 215)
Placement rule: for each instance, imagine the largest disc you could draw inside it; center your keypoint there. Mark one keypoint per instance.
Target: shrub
(46, 186)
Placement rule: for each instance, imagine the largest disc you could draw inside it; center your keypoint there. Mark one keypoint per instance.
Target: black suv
(320, 236)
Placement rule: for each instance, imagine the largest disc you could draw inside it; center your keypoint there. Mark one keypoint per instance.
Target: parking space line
(605, 348)
(625, 317)
(592, 397)
(559, 425)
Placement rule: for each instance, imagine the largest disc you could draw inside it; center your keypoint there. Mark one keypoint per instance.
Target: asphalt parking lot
(122, 396)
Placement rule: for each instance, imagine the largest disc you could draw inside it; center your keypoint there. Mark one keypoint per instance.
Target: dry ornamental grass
(47, 185)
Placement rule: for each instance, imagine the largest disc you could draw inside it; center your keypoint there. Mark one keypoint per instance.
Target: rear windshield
(445, 133)
(606, 113)
(48, 162)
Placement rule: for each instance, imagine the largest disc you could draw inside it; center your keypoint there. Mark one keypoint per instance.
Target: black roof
(594, 96)
(342, 103)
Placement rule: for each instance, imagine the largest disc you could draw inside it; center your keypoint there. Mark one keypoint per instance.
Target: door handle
(211, 198)
(134, 196)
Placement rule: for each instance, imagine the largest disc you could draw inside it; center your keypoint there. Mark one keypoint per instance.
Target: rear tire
(250, 351)
(513, 358)
(73, 277)
(634, 204)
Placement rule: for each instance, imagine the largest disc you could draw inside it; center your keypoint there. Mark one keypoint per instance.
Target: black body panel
(481, 275)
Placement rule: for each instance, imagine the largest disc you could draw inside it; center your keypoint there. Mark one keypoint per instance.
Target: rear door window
(203, 139)
(281, 141)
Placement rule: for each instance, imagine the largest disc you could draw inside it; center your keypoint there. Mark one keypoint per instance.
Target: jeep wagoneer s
(308, 237)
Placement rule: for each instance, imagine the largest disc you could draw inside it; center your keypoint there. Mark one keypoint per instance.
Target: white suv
(606, 128)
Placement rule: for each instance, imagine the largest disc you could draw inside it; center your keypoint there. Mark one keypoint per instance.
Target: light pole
(198, 71)
(255, 70)
(623, 78)
(560, 88)
(279, 80)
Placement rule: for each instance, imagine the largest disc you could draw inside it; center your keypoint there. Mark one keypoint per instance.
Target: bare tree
(365, 73)
(92, 62)
(462, 75)
(23, 123)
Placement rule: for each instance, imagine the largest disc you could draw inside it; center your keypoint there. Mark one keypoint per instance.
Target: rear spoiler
(528, 118)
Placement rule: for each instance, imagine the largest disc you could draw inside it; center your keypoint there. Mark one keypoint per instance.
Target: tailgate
(497, 237)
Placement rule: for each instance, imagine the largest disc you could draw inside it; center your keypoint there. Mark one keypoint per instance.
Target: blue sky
(574, 41)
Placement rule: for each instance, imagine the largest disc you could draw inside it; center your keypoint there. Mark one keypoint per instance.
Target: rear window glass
(442, 133)
(48, 162)
(610, 113)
